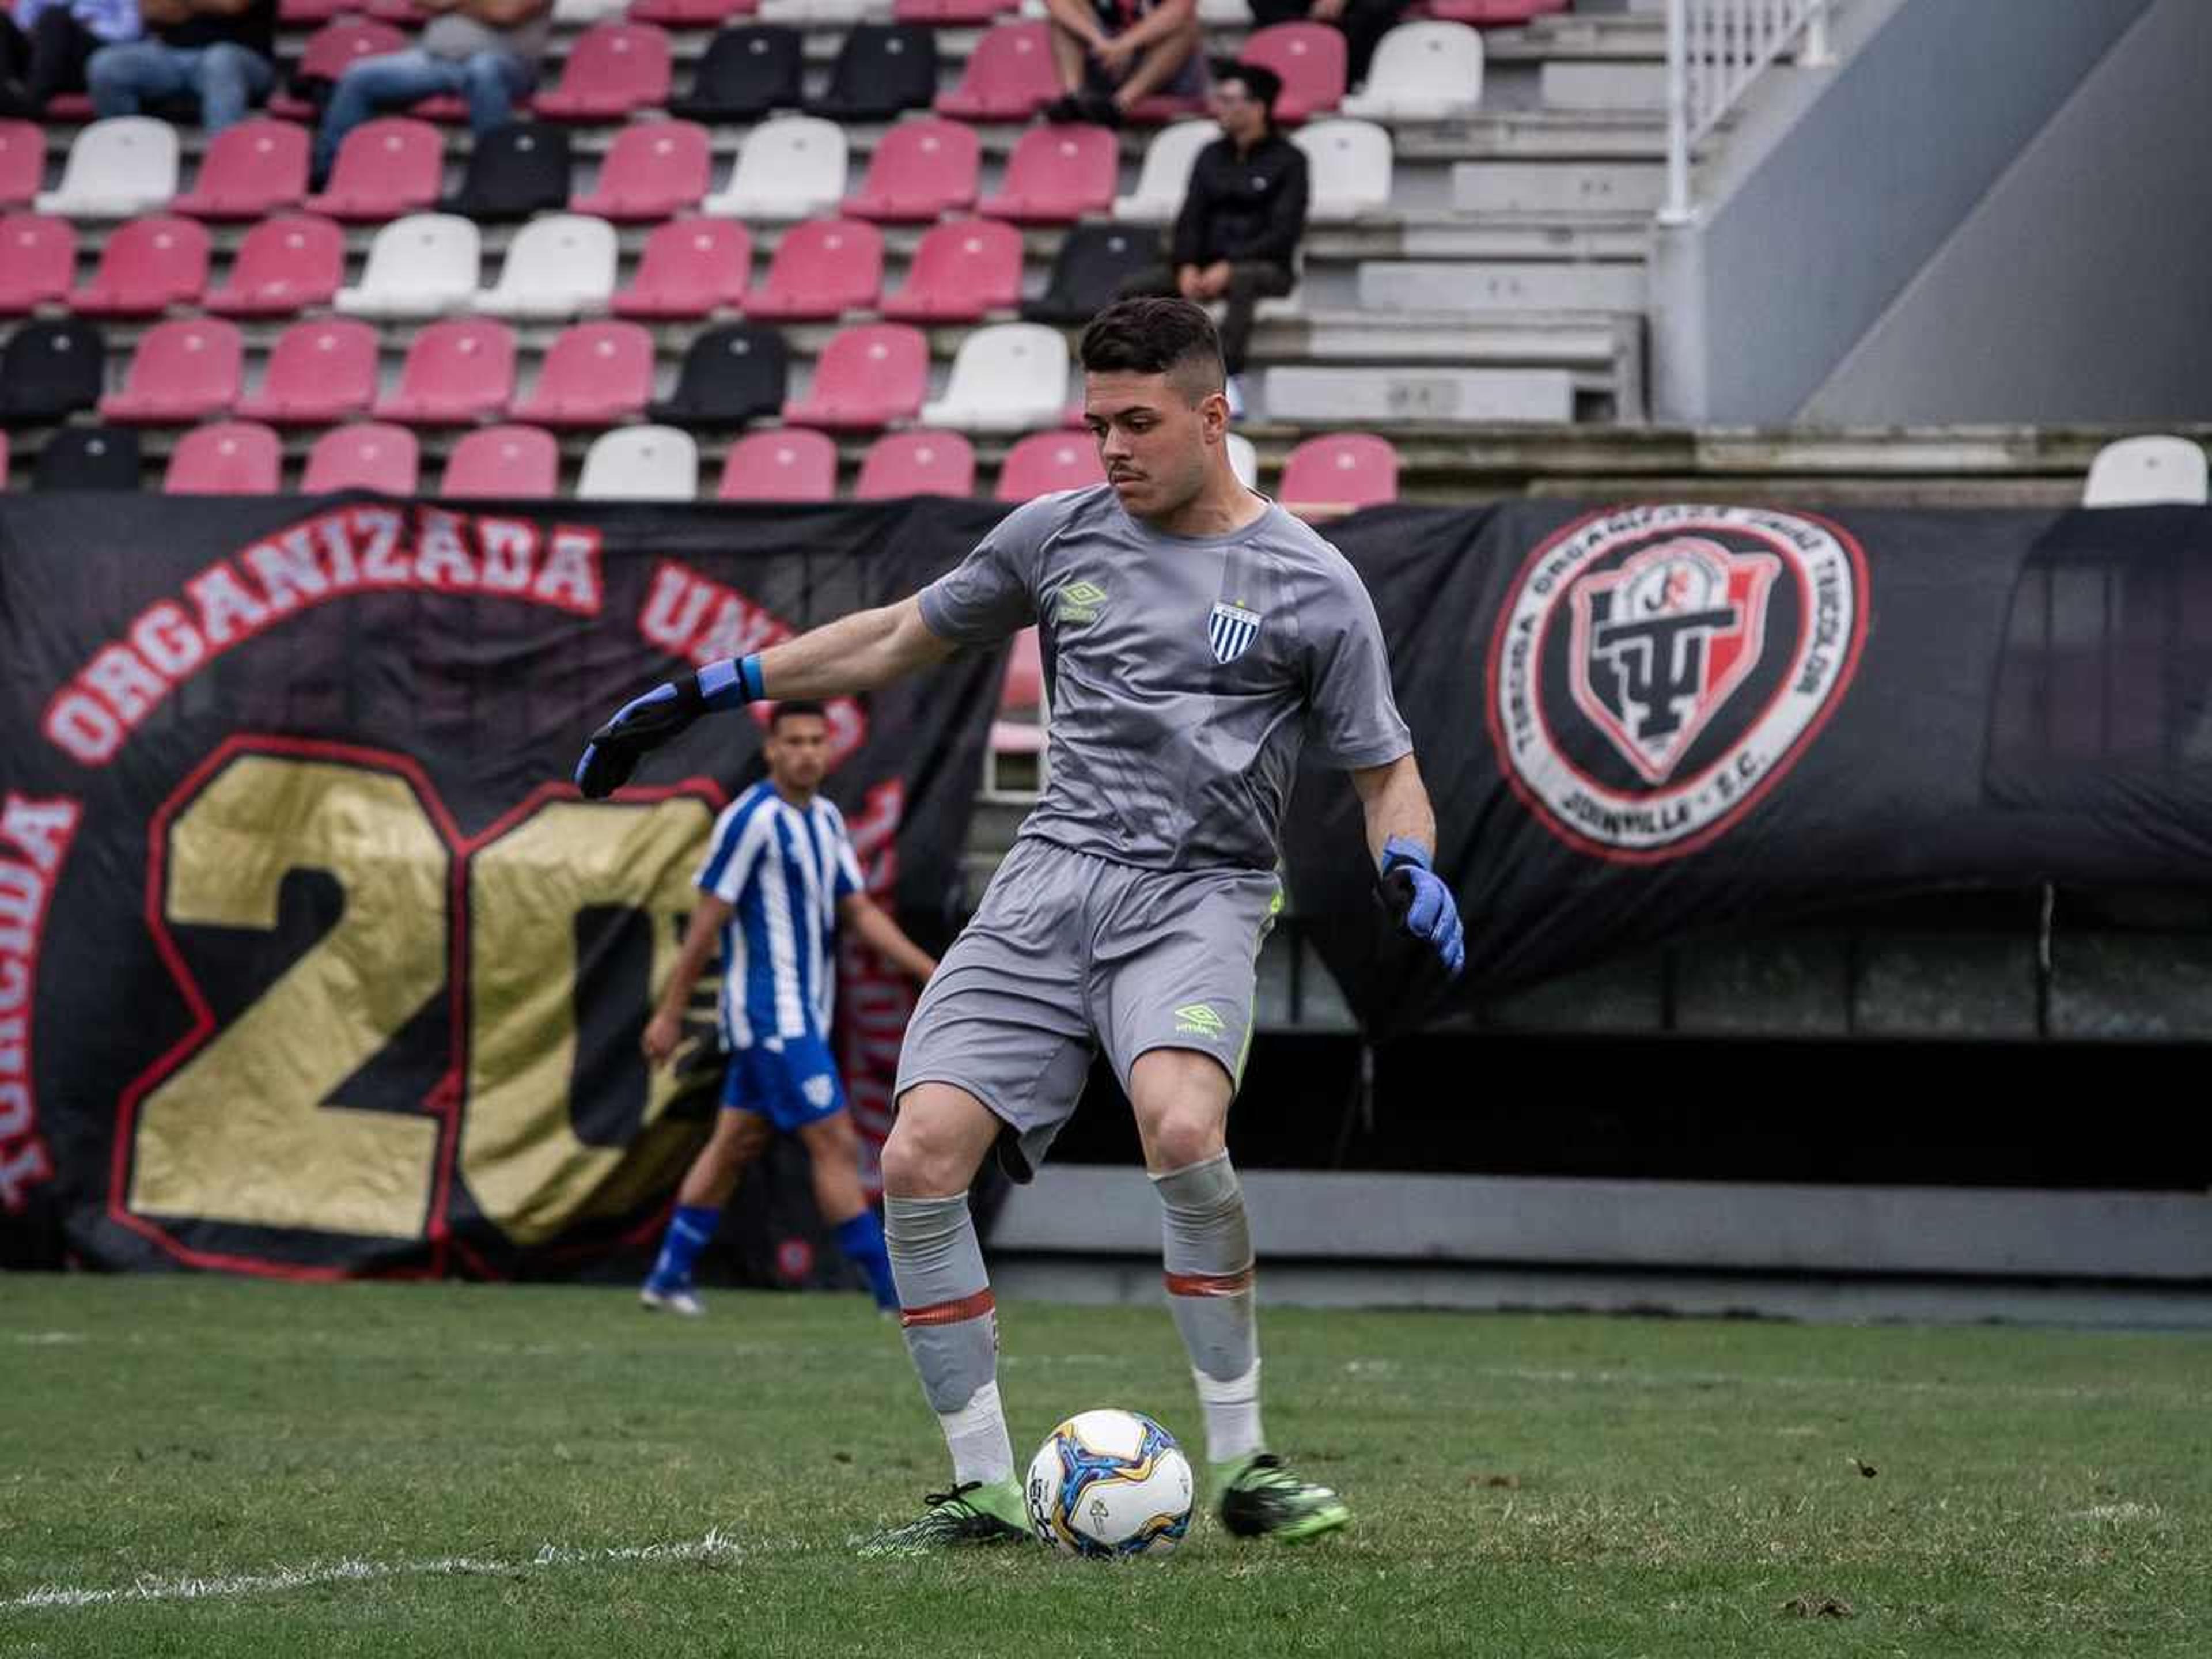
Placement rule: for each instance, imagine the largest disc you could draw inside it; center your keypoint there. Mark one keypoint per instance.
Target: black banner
(311, 961)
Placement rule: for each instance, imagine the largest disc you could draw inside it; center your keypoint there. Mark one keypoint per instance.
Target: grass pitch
(195, 1466)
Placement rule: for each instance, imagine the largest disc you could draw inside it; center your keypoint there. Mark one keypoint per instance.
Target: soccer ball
(1109, 1483)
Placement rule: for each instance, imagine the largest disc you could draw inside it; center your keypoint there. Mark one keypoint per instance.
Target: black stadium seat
(882, 71)
(731, 375)
(49, 370)
(89, 457)
(744, 73)
(518, 170)
(1094, 261)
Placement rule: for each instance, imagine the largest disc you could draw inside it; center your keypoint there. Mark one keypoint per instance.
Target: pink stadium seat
(1057, 174)
(182, 372)
(365, 456)
(594, 375)
(458, 371)
(328, 51)
(1024, 687)
(503, 460)
(391, 165)
(38, 261)
(1492, 14)
(1046, 461)
(300, 13)
(690, 268)
(950, 14)
(917, 464)
(1009, 78)
(920, 170)
(786, 464)
(867, 376)
(250, 170)
(148, 265)
(821, 269)
(611, 69)
(22, 162)
(690, 14)
(283, 266)
(227, 458)
(1340, 472)
(655, 168)
(963, 269)
(1310, 57)
(319, 371)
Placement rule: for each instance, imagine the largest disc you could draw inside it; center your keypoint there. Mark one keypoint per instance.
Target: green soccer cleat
(1261, 1498)
(970, 1514)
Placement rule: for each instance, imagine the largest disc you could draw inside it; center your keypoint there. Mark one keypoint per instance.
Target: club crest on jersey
(1231, 629)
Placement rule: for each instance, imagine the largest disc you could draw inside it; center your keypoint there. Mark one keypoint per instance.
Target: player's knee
(1182, 1133)
(921, 1159)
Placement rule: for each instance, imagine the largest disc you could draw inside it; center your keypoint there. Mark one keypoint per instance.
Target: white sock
(1232, 1414)
(977, 1436)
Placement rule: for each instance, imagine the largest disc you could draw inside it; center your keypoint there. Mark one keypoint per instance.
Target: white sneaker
(1234, 389)
(681, 1300)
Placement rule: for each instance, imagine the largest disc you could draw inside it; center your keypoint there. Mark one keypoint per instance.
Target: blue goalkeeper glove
(1421, 904)
(648, 722)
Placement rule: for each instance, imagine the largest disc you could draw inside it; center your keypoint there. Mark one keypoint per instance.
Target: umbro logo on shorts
(1197, 1019)
(1231, 629)
(819, 1090)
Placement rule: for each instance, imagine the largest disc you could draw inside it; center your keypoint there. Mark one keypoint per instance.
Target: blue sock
(688, 1229)
(862, 1241)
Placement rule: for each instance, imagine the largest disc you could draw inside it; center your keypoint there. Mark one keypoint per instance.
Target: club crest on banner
(1231, 629)
(1655, 672)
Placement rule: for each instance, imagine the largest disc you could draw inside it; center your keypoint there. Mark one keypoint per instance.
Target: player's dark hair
(1155, 336)
(792, 706)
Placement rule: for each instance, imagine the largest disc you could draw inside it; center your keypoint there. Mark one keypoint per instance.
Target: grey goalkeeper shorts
(1069, 955)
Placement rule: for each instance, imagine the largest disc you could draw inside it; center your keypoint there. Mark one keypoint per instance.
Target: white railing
(1714, 50)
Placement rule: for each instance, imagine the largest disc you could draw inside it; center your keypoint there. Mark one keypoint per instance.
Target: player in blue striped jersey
(779, 877)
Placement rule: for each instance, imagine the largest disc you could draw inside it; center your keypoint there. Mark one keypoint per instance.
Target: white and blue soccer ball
(1109, 1483)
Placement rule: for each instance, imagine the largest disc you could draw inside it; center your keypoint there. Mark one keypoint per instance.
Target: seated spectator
(45, 45)
(1110, 53)
(486, 51)
(218, 54)
(1362, 22)
(1236, 237)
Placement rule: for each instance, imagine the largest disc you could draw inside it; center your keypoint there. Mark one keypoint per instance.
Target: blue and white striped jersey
(783, 869)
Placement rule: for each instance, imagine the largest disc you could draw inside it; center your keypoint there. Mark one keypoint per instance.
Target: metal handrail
(1714, 50)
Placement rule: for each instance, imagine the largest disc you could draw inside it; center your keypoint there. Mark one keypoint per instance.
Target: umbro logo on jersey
(1197, 1019)
(1079, 602)
(1231, 629)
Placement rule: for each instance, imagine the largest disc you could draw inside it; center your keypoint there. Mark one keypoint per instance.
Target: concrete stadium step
(1570, 85)
(1557, 187)
(1620, 134)
(1439, 285)
(1339, 396)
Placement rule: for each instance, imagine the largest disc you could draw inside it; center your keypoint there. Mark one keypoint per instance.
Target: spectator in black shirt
(1236, 237)
(217, 53)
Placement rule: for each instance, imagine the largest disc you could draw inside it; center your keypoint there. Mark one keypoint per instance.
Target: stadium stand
(226, 458)
(792, 166)
(252, 170)
(594, 375)
(457, 371)
(147, 266)
(423, 265)
(747, 73)
(495, 462)
(367, 455)
(821, 269)
(89, 457)
(920, 170)
(961, 270)
(118, 168)
(40, 261)
(283, 265)
(2146, 472)
(654, 169)
(320, 372)
(523, 168)
(923, 463)
(731, 375)
(559, 266)
(786, 464)
(184, 370)
(390, 166)
(641, 463)
(690, 268)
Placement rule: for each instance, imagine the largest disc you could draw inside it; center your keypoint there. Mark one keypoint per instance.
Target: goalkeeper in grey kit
(1196, 636)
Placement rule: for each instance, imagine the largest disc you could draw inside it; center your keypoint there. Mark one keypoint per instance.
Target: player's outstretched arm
(857, 652)
(876, 929)
(1401, 834)
(666, 1028)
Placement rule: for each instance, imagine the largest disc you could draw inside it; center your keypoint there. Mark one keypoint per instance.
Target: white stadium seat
(1243, 460)
(2146, 472)
(124, 166)
(1349, 166)
(582, 14)
(1425, 71)
(641, 463)
(423, 266)
(1166, 174)
(561, 265)
(824, 14)
(791, 167)
(1009, 377)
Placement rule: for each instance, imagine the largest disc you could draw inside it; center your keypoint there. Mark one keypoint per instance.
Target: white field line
(188, 1587)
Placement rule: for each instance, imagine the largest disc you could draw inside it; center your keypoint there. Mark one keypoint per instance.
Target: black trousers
(1362, 22)
(49, 59)
(1250, 280)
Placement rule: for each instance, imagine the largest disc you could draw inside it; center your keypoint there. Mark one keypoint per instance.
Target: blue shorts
(790, 1085)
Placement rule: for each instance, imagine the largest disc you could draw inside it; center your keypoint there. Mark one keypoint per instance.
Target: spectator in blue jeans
(216, 53)
(487, 50)
(46, 44)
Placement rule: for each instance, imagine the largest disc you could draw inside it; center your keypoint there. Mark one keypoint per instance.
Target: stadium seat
(328, 53)
(1327, 476)
(1310, 59)
(1010, 377)
(1093, 262)
(118, 168)
(2145, 472)
(249, 171)
(731, 375)
(951, 14)
(791, 167)
(457, 370)
(1164, 177)
(38, 261)
(423, 265)
(1012, 762)
(22, 162)
(1009, 76)
(1243, 459)
(816, 14)
(688, 13)
(1423, 71)
(962, 269)
(183, 371)
(89, 457)
(283, 266)
(226, 458)
(1046, 461)
(319, 372)
(520, 169)
(690, 268)
(50, 369)
(559, 266)
(147, 266)
(388, 167)
(654, 169)
(582, 14)
(641, 463)
(920, 170)
(1225, 14)
(364, 456)
(1056, 175)
(594, 375)
(821, 269)
(867, 376)
(883, 70)
(611, 69)
(745, 74)
(916, 464)
(492, 461)
(1348, 169)
(787, 464)
(1494, 14)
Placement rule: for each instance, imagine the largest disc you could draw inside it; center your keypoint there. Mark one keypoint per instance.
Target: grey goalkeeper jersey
(1184, 673)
